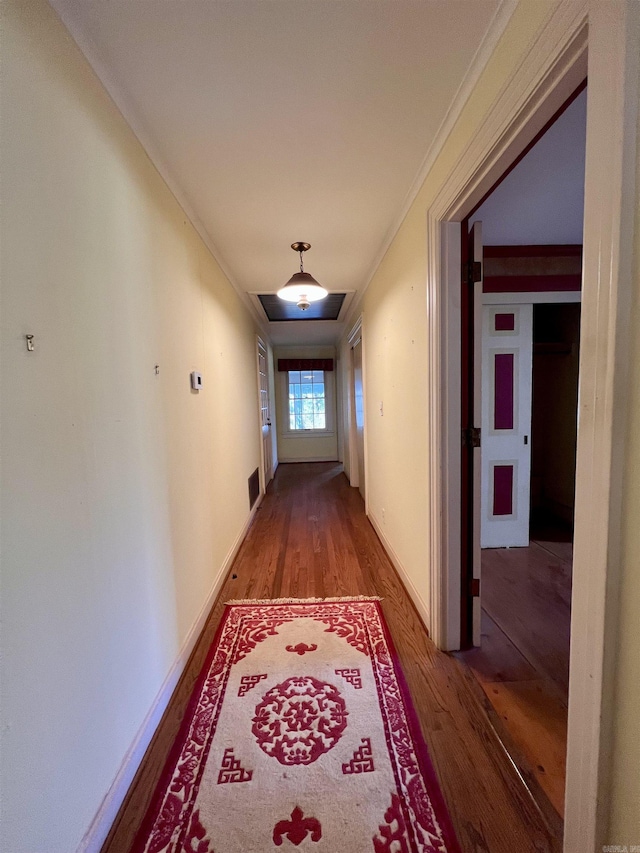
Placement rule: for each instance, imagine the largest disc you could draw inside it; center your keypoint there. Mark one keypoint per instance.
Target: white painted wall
(300, 447)
(542, 200)
(123, 492)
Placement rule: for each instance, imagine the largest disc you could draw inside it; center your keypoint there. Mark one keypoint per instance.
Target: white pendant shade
(302, 286)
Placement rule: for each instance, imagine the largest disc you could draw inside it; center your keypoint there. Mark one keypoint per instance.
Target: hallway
(311, 538)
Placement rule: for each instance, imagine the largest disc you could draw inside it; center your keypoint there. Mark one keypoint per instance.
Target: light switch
(196, 381)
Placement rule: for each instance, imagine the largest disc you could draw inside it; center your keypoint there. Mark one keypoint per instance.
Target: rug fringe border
(263, 601)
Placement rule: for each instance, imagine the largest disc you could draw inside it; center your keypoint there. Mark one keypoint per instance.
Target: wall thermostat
(196, 381)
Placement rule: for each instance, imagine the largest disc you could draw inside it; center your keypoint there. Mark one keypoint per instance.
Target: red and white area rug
(300, 736)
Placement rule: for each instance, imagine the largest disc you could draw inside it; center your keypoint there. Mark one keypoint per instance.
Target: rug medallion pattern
(299, 737)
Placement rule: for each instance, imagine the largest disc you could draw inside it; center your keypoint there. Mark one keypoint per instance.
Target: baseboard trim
(417, 600)
(98, 831)
(287, 461)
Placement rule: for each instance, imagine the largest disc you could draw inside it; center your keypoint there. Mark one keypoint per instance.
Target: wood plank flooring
(523, 662)
(527, 592)
(310, 538)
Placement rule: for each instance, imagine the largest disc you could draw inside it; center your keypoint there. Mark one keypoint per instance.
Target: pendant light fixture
(302, 288)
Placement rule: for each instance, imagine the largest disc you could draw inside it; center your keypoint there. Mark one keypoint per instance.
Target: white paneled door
(507, 354)
(265, 414)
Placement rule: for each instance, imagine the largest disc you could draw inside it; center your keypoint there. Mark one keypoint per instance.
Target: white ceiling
(283, 120)
(542, 200)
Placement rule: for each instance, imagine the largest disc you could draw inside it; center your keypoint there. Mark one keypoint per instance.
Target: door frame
(355, 336)
(554, 66)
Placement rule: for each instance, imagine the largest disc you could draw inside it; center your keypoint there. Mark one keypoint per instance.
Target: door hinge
(471, 437)
(474, 587)
(473, 272)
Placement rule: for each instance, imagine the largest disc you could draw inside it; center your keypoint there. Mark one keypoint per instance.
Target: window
(306, 399)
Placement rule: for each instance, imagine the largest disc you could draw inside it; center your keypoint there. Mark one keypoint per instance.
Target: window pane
(307, 400)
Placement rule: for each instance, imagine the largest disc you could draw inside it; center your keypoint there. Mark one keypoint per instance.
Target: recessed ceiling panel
(277, 310)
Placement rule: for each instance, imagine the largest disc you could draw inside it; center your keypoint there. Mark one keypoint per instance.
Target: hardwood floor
(523, 662)
(311, 538)
(527, 592)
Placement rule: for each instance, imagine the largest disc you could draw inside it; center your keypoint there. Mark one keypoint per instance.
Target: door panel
(265, 415)
(507, 333)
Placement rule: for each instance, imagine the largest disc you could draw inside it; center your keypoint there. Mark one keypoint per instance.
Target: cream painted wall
(624, 811)
(123, 492)
(396, 352)
(300, 448)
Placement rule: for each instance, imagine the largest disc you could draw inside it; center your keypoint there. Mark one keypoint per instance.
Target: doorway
(528, 325)
(522, 663)
(529, 99)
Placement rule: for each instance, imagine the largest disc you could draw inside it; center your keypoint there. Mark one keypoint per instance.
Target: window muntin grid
(306, 400)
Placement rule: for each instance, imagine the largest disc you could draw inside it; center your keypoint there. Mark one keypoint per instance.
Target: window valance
(286, 364)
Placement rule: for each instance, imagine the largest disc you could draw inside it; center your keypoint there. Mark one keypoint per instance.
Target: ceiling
(542, 200)
(283, 120)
